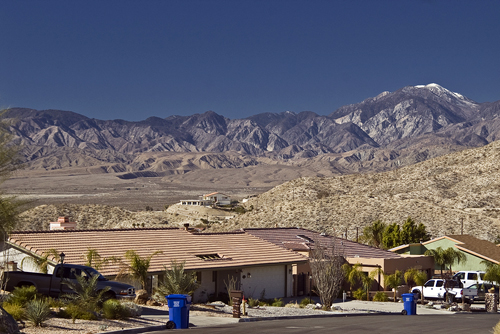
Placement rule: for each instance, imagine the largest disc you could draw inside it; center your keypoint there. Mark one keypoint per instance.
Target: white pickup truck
(438, 288)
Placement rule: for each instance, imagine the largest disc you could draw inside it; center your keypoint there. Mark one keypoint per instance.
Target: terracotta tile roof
(235, 249)
(282, 236)
(482, 248)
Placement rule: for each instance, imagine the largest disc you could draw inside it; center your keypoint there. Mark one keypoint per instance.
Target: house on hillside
(217, 198)
(371, 258)
(216, 258)
(476, 250)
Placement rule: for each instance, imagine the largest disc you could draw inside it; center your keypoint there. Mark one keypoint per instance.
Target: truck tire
(109, 295)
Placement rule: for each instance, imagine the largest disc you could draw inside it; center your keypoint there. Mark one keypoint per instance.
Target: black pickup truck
(50, 284)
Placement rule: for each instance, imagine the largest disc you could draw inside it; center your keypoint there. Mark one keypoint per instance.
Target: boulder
(7, 323)
(141, 297)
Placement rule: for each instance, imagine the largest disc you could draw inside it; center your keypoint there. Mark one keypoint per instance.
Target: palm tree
(42, 262)
(446, 257)
(86, 293)
(453, 256)
(492, 272)
(177, 281)
(138, 267)
(95, 260)
(417, 276)
(372, 234)
(438, 255)
(393, 281)
(352, 273)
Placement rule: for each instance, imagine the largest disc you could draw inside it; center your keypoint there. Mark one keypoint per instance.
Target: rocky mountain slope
(448, 193)
(391, 130)
(442, 193)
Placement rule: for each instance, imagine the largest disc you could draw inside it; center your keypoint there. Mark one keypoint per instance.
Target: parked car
(52, 285)
(438, 288)
(470, 277)
(477, 291)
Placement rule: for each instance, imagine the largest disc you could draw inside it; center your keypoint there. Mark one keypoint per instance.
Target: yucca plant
(177, 281)
(37, 312)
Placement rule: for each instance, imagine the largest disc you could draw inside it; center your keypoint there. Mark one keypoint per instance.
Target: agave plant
(37, 312)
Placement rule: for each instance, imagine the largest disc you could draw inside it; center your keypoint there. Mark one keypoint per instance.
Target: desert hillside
(441, 193)
(444, 192)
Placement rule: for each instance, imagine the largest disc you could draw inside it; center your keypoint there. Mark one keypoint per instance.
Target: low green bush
(22, 295)
(380, 297)
(37, 312)
(306, 301)
(113, 309)
(253, 302)
(74, 311)
(359, 294)
(15, 310)
(133, 309)
(277, 302)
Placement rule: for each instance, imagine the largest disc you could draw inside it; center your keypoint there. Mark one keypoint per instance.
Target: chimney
(186, 226)
(62, 223)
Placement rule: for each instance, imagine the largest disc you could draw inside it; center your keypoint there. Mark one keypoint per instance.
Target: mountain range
(393, 129)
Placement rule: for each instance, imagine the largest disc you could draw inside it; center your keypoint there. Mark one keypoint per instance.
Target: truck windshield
(92, 272)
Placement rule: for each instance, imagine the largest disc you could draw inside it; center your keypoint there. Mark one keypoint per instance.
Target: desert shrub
(359, 294)
(15, 310)
(55, 302)
(76, 311)
(306, 301)
(496, 329)
(253, 302)
(134, 310)
(22, 295)
(37, 311)
(240, 210)
(277, 302)
(380, 297)
(113, 309)
(263, 303)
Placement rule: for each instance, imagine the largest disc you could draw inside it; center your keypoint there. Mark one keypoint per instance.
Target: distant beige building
(217, 198)
(62, 223)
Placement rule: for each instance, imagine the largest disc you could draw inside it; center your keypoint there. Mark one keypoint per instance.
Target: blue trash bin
(410, 304)
(178, 310)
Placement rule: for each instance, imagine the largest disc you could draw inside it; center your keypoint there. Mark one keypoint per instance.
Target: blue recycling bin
(410, 304)
(178, 310)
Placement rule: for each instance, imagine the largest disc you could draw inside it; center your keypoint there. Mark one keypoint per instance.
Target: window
(429, 283)
(472, 276)
(439, 284)
(198, 277)
(460, 275)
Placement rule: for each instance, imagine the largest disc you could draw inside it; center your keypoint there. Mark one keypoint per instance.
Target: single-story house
(371, 258)
(255, 264)
(217, 198)
(475, 250)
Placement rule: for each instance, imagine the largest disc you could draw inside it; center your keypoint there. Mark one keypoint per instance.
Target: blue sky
(134, 59)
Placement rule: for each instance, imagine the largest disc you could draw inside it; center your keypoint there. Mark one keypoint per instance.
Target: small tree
(393, 281)
(177, 281)
(326, 266)
(392, 236)
(411, 233)
(137, 266)
(446, 257)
